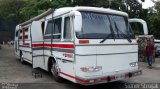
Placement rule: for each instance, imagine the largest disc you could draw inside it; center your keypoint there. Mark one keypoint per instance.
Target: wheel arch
(51, 59)
(20, 52)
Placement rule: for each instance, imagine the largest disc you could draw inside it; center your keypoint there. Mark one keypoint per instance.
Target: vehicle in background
(157, 47)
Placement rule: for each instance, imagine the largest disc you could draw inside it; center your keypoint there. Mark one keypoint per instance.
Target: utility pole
(110, 2)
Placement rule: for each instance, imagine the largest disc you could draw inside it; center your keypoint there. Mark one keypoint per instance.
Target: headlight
(133, 64)
(91, 69)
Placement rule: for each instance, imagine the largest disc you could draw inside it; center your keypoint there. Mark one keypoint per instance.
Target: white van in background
(157, 46)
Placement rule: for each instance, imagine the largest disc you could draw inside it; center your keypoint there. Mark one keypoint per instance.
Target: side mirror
(77, 22)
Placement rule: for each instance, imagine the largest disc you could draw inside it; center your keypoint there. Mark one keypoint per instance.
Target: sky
(147, 4)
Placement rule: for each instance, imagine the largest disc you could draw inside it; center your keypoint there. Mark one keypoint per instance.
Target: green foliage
(11, 8)
(155, 25)
(13, 12)
(157, 6)
(10, 15)
(154, 20)
(35, 7)
(132, 7)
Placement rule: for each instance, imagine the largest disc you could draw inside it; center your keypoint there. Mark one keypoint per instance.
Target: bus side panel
(16, 41)
(64, 54)
(23, 43)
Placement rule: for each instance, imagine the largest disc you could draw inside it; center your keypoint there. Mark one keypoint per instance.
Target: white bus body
(86, 45)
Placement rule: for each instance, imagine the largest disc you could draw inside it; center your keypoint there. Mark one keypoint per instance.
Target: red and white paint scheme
(86, 45)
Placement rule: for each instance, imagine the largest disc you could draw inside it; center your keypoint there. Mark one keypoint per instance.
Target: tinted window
(94, 25)
(57, 28)
(49, 27)
(16, 33)
(26, 29)
(21, 31)
(20, 37)
(42, 27)
(67, 28)
(26, 37)
(57, 25)
(102, 25)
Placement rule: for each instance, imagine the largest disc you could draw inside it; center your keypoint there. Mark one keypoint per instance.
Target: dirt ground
(12, 71)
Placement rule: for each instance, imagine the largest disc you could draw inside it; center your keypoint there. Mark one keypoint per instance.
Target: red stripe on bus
(67, 75)
(73, 77)
(27, 44)
(54, 45)
(37, 45)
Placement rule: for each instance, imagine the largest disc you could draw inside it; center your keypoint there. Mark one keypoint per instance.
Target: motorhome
(85, 45)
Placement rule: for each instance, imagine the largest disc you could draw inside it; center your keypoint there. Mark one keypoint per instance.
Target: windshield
(100, 26)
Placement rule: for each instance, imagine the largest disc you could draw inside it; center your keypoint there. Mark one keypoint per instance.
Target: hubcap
(54, 69)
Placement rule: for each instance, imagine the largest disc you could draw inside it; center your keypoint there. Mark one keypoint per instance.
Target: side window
(20, 36)
(49, 27)
(67, 28)
(57, 28)
(26, 37)
(42, 27)
(20, 30)
(26, 29)
(26, 32)
(16, 33)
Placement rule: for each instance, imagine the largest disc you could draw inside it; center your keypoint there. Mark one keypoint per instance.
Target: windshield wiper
(124, 35)
(111, 34)
(106, 38)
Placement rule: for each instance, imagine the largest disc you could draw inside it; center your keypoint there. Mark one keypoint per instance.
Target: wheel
(55, 72)
(156, 55)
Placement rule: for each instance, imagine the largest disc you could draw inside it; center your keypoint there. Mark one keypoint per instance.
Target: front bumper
(109, 78)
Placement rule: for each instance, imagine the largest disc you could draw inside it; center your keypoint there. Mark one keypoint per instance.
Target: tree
(10, 14)
(36, 7)
(157, 6)
(11, 8)
(154, 20)
(13, 12)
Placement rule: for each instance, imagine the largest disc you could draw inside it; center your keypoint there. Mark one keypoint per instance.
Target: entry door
(37, 45)
(67, 63)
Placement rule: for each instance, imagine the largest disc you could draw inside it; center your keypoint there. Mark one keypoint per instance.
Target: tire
(55, 72)
(156, 55)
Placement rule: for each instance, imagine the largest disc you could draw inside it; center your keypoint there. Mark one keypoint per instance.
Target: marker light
(133, 64)
(91, 69)
(83, 41)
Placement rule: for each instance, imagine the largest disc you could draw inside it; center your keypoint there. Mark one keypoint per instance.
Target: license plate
(120, 77)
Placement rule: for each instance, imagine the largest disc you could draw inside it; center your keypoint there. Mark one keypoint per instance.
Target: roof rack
(49, 11)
